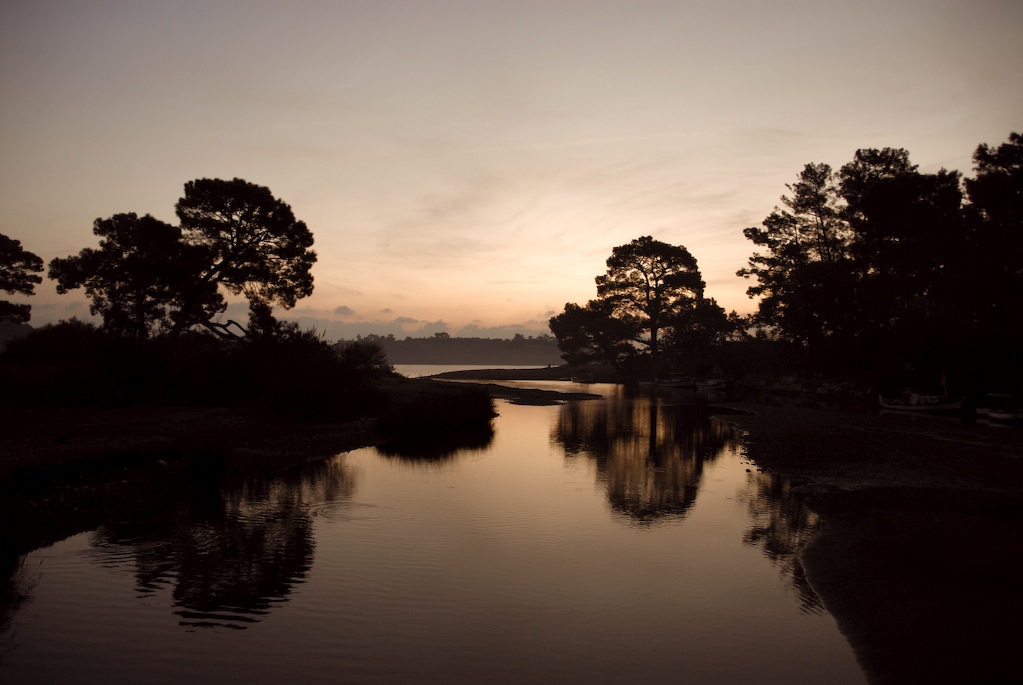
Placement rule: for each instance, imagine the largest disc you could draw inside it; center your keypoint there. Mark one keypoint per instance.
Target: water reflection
(502, 566)
(436, 449)
(15, 591)
(780, 523)
(230, 556)
(650, 452)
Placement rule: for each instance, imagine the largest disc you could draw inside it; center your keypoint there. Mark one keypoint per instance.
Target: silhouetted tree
(650, 287)
(148, 276)
(253, 244)
(804, 275)
(695, 329)
(593, 334)
(909, 236)
(992, 275)
(995, 217)
(863, 259)
(18, 267)
(648, 282)
(136, 277)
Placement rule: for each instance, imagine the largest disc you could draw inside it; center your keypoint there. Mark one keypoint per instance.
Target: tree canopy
(649, 287)
(149, 277)
(881, 260)
(994, 253)
(801, 275)
(253, 246)
(647, 282)
(18, 267)
(591, 333)
(136, 278)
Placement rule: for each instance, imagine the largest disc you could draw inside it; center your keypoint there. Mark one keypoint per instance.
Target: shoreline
(917, 556)
(918, 553)
(64, 470)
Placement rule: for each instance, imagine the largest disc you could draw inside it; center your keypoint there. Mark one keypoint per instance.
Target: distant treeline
(443, 349)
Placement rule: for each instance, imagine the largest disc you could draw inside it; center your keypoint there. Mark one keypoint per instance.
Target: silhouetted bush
(438, 412)
(301, 376)
(293, 374)
(364, 357)
(72, 361)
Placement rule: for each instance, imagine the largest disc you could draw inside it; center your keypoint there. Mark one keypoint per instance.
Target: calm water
(420, 370)
(609, 541)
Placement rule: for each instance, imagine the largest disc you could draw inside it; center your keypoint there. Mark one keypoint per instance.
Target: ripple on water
(343, 510)
(118, 553)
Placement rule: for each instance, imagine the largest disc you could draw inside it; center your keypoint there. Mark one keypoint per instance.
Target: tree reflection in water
(781, 524)
(231, 556)
(437, 449)
(649, 452)
(15, 591)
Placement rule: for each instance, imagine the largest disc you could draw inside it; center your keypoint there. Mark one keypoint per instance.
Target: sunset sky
(468, 166)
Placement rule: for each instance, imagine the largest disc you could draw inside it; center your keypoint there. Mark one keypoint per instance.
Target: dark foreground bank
(919, 557)
(67, 469)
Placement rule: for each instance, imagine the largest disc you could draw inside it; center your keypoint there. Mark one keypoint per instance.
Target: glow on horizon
(470, 165)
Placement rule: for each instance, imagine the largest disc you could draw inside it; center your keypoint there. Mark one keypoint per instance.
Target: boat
(583, 378)
(918, 402)
(1006, 414)
(712, 384)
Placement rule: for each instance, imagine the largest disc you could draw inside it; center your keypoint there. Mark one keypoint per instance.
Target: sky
(468, 167)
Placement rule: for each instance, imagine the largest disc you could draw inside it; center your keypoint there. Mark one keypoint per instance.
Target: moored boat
(918, 402)
(1006, 414)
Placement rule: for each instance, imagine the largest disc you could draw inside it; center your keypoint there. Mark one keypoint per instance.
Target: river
(625, 539)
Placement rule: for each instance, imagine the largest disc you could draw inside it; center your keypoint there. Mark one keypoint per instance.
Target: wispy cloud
(481, 165)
